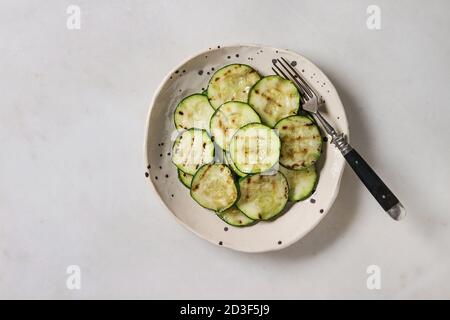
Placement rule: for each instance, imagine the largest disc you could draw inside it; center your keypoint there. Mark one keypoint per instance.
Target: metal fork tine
(300, 83)
(282, 74)
(280, 71)
(298, 76)
(303, 95)
(276, 72)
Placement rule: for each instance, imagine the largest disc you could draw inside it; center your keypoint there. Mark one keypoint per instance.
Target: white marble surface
(72, 118)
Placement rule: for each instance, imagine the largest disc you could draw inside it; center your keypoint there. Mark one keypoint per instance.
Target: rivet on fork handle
(338, 139)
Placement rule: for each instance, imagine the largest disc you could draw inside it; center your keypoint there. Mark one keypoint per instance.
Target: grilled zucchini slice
(192, 149)
(213, 187)
(233, 166)
(185, 178)
(301, 143)
(231, 83)
(233, 216)
(255, 148)
(228, 118)
(193, 111)
(301, 182)
(274, 98)
(263, 196)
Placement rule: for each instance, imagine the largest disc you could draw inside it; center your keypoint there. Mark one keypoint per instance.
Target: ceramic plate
(192, 76)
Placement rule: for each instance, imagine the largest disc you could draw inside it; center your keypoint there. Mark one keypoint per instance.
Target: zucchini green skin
(263, 197)
(308, 115)
(229, 118)
(233, 166)
(255, 148)
(301, 142)
(231, 83)
(234, 217)
(213, 187)
(274, 98)
(301, 182)
(185, 178)
(193, 111)
(195, 150)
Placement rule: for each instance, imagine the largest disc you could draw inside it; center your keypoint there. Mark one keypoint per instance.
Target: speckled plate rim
(146, 143)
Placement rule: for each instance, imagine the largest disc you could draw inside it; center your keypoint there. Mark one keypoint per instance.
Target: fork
(371, 180)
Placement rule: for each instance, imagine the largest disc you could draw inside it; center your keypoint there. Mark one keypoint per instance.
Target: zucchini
(192, 149)
(274, 98)
(301, 182)
(233, 166)
(228, 118)
(233, 216)
(231, 83)
(309, 116)
(301, 143)
(213, 187)
(263, 196)
(255, 148)
(185, 178)
(193, 111)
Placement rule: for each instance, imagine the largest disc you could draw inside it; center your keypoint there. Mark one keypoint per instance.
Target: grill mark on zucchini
(185, 178)
(213, 187)
(206, 171)
(263, 197)
(274, 98)
(189, 155)
(301, 182)
(234, 217)
(194, 111)
(301, 143)
(228, 118)
(237, 79)
(246, 154)
(269, 98)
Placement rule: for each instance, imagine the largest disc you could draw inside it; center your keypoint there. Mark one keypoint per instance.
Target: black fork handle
(371, 180)
(375, 185)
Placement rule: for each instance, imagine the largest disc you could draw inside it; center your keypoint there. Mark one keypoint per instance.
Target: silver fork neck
(338, 139)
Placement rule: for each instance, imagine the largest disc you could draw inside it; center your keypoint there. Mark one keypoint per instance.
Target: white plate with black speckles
(192, 76)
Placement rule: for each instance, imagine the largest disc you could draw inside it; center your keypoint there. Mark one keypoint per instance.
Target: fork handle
(371, 180)
(376, 186)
